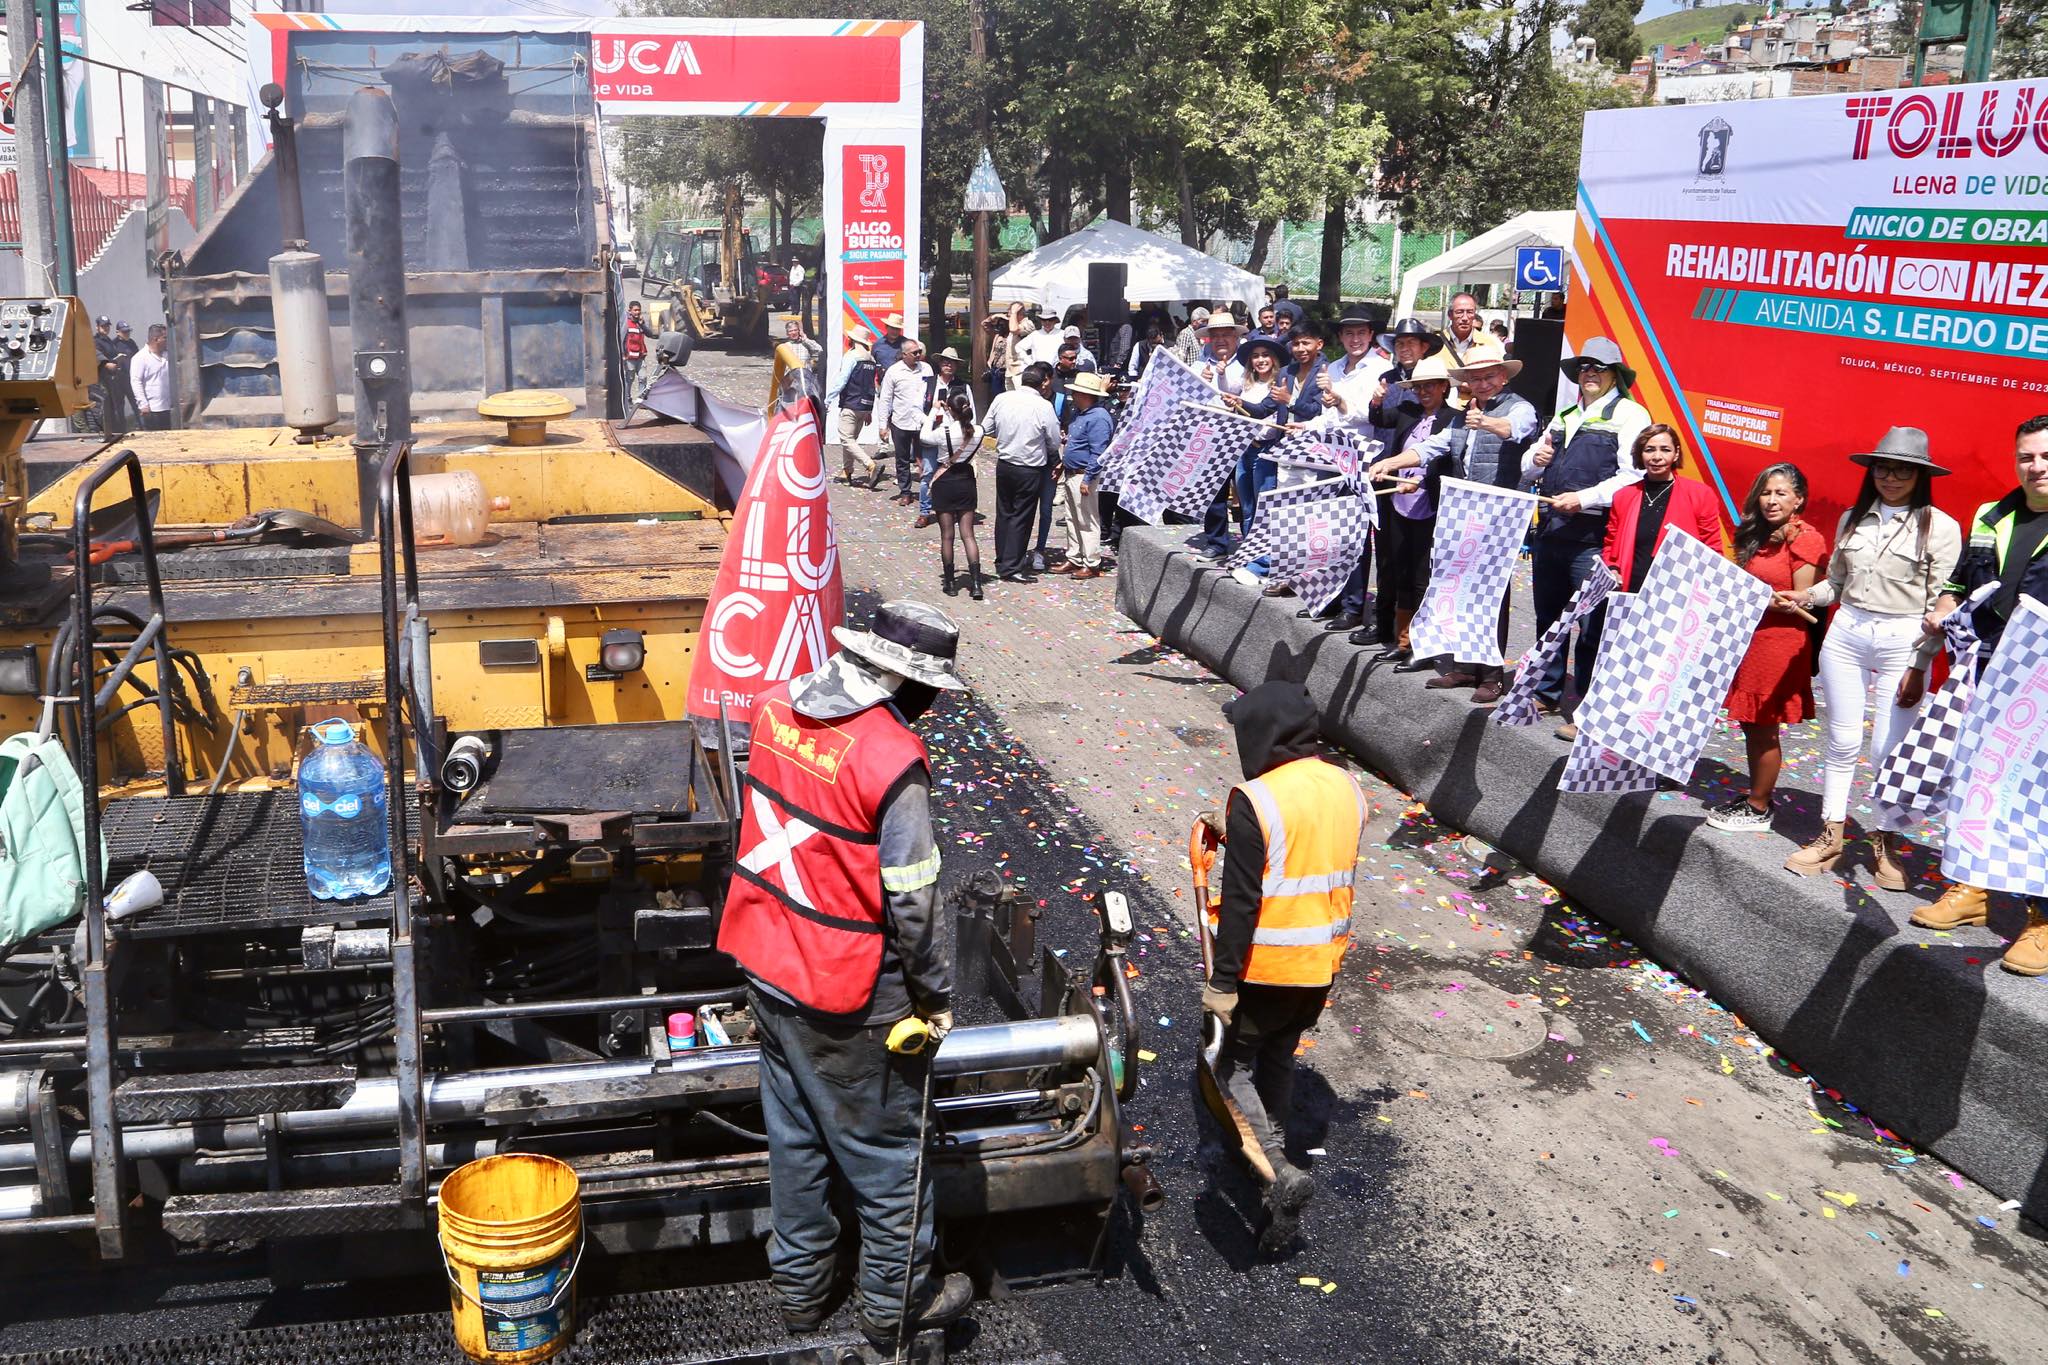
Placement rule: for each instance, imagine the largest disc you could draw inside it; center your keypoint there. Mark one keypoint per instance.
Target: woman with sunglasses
(1893, 552)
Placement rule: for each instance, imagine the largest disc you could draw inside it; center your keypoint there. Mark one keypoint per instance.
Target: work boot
(2028, 955)
(1958, 906)
(1823, 853)
(956, 1293)
(1884, 854)
(1285, 1199)
(802, 1322)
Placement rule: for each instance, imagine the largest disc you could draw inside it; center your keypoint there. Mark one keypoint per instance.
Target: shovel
(1202, 845)
(252, 527)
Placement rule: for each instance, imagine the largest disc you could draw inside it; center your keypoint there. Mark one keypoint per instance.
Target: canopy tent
(1488, 258)
(1159, 270)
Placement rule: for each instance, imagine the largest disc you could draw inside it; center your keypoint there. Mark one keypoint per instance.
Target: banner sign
(1518, 704)
(1875, 255)
(1665, 673)
(1998, 810)
(1591, 766)
(778, 592)
(1479, 534)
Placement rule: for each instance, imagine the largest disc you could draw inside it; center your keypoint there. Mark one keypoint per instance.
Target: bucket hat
(1411, 327)
(1599, 351)
(1263, 341)
(914, 639)
(1901, 445)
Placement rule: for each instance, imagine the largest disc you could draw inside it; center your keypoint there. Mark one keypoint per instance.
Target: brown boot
(1884, 853)
(1958, 906)
(1823, 853)
(2028, 955)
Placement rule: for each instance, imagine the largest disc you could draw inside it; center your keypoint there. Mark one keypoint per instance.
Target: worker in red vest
(833, 913)
(633, 350)
(1292, 827)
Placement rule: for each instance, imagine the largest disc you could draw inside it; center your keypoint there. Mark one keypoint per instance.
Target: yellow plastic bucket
(511, 1239)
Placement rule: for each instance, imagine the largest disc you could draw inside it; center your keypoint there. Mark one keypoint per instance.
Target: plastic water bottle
(344, 817)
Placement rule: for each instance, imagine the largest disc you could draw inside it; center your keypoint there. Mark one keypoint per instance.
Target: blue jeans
(1255, 474)
(1555, 573)
(928, 468)
(835, 1100)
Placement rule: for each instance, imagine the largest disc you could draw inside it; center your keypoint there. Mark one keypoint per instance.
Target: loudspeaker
(1106, 305)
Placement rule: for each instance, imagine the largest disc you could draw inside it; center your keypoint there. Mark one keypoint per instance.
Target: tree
(2022, 40)
(1611, 24)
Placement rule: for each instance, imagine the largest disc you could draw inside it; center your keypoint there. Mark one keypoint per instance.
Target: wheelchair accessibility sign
(1539, 267)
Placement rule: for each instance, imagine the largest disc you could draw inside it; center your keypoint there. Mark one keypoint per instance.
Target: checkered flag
(1656, 693)
(1518, 705)
(1162, 394)
(1998, 808)
(1479, 533)
(1592, 767)
(1333, 450)
(1915, 774)
(1312, 533)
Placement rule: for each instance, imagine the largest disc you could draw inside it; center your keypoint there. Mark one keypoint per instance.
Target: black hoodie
(1275, 724)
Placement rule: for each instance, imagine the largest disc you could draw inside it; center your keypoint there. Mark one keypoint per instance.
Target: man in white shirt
(901, 406)
(1221, 370)
(1042, 346)
(799, 298)
(1354, 376)
(1027, 437)
(149, 379)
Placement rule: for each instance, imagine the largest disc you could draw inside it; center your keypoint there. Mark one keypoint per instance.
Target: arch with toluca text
(864, 79)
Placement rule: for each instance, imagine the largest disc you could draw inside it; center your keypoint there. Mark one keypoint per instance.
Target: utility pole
(65, 257)
(977, 302)
(30, 151)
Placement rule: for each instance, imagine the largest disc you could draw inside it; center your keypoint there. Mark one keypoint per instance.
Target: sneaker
(1739, 817)
(1037, 563)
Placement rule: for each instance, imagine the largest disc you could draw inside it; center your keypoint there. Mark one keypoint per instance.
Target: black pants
(156, 421)
(906, 461)
(1017, 492)
(1404, 568)
(116, 405)
(1256, 1065)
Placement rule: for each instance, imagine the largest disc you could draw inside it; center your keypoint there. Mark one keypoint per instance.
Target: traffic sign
(1539, 267)
(985, 188)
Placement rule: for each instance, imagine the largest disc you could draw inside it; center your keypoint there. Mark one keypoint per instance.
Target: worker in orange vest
(1292, 827)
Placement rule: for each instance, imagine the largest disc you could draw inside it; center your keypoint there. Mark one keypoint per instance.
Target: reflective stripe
(1307, 937)
(1305, 886)
(912, 876)
(1275, 829)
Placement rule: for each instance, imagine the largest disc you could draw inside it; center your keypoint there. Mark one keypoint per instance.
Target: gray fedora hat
(1901, 445)
(1599, 351)
(915, 639)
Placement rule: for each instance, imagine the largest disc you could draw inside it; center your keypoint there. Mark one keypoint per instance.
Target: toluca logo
(874, 189)
(1713, 158)
(1974, 121)
(647, 56)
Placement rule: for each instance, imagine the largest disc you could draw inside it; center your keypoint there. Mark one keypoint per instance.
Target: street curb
(1946, 1054)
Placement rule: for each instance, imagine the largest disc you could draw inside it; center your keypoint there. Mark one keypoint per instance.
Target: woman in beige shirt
(1893, 552)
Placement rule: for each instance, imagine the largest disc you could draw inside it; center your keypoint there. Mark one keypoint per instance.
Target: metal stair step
(206, 1218)
(232, 1094)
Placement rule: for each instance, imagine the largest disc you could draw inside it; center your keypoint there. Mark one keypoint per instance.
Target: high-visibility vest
(1311, 814)
(804, 910)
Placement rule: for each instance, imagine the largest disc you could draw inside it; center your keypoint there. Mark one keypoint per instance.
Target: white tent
(1488, 258)
(1159, 269)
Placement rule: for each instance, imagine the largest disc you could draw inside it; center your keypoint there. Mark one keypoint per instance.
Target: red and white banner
(716, 66)
(1790, 277)
(778, 592)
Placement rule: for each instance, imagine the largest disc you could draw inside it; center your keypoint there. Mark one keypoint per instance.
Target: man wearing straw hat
(1220, 368)
(853, 395)
(833, 913)
(1080, 466)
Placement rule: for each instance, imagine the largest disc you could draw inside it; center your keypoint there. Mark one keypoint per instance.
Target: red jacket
(1693, 509)
(804, 909)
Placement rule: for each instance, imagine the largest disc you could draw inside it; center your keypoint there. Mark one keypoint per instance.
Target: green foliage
(2022, 40)
(1611, 24)
(1707, 25)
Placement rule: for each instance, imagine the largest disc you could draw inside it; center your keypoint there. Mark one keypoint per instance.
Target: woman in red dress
(1774, 685)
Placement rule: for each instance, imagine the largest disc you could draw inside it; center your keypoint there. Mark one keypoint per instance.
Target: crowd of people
(1612, 486)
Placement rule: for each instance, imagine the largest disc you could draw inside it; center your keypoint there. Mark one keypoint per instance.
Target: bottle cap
(682, 1024)
(335, 731)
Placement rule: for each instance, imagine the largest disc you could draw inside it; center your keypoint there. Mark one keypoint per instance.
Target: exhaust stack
(376, 289)
(298, 294)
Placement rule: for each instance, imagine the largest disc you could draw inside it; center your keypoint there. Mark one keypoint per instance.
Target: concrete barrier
(1949, 1055)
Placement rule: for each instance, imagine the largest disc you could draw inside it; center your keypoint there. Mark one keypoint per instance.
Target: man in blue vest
(1581, 463)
